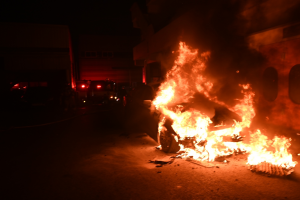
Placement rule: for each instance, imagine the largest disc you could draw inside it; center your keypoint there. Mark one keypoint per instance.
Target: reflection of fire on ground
(196, 136)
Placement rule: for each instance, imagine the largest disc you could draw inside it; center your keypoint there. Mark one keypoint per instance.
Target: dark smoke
(218, 30)
(222, 27)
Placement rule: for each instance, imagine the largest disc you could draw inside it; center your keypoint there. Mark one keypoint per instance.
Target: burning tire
(166, 139)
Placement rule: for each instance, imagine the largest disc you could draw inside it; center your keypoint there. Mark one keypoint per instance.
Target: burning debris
(278, 162)
(198, 138)
(271, 169)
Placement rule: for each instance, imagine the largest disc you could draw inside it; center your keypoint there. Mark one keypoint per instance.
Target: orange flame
(259, 153)
(185, 79)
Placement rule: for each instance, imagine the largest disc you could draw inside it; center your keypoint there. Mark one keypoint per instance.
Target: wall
(35, 48)
(108, 57)
(282, 53)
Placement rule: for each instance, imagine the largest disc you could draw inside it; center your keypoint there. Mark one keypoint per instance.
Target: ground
(89, 156)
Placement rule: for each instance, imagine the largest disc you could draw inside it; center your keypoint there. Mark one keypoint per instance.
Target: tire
(167, 141)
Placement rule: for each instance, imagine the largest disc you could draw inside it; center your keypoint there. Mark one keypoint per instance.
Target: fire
(259, 152)
(186, 78)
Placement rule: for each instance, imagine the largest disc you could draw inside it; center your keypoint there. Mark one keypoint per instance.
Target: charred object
(271, 169)
(170, 140)
(223, 118)
(167, 137)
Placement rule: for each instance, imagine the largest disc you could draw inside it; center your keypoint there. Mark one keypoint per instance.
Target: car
(102, 92)
(223, 119)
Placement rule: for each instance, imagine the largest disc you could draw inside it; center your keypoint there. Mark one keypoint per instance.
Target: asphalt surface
(89, 156)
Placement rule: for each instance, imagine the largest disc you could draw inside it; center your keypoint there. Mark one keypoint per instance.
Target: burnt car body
(223, 119)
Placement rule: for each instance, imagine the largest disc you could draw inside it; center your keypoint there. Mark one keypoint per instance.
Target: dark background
(104, 17)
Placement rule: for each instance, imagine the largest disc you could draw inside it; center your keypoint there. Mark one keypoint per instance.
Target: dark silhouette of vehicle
(38, 96)
(102, 92)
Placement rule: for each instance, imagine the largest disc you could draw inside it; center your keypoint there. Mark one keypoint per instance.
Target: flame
(185, 78)
(259, 153)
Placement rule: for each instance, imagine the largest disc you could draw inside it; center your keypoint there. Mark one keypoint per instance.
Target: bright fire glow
(98, 86)
(82, 86)
(185, 78)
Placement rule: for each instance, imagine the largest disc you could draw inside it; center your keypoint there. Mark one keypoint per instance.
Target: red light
(98, 86)
(82, 86)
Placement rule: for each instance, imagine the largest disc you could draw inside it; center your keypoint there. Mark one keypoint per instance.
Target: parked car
(102, 92)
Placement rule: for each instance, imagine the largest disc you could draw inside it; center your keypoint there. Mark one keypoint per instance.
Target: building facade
(108, 57)
(270, 28)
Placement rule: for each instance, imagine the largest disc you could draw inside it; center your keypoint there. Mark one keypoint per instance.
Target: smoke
(222, 27)
(258, 15)
(218, 30)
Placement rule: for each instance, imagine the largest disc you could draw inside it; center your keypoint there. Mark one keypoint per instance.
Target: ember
(203, 139)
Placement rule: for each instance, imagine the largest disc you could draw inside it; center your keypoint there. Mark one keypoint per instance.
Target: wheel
(167, 141)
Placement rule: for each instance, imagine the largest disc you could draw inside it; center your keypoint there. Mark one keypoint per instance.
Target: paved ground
(90, 157)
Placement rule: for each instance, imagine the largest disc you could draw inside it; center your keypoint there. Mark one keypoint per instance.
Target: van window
(294, 84)
(270, 84)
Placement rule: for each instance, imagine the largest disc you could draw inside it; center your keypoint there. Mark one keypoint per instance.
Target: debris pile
(271, 169)
(160, 163)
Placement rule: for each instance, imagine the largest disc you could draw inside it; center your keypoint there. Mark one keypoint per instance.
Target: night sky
(102, 17)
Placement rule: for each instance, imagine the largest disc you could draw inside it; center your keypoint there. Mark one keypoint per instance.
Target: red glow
(82, 86)
(144, 75)
(98, 86)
